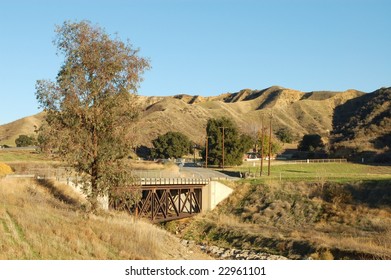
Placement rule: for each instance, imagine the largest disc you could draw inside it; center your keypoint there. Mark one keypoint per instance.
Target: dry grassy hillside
(302, 112)
(302, 220)
(9, 132)
(43, 220)
(310, 112)
(363, 126)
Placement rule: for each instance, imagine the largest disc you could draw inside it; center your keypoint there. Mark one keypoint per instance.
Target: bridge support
(213, 194)
(166, 203)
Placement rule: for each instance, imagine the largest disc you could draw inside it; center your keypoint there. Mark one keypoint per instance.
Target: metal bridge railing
(173, 181)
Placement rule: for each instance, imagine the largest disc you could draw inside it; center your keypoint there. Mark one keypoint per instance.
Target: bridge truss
(165, 203)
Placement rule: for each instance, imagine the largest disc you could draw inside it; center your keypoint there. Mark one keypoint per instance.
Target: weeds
(43, 220)
(310, 220)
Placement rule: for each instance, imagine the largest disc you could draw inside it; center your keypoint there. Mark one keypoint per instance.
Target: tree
(90, 108)
(25, 141)
(311, 142)
(235, 144)
(171, 145)
(285, 135)
(276, 145)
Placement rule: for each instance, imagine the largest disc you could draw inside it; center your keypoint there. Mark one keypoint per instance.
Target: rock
(231, 254)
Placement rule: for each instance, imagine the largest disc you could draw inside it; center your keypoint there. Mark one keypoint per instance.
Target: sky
(206, 47)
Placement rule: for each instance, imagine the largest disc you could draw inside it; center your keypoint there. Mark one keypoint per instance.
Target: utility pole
(262, 143)
(223, 127)
(194, 150)
(270, 146)
(206, 150)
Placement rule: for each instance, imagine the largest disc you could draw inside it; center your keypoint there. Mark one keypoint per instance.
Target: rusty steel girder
(165, 203)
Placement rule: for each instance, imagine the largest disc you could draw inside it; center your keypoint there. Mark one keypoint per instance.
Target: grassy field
(46, 221)
(21, 156)
(318, 171)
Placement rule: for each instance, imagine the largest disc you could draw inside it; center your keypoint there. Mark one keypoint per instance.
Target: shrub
(324, 254)
(5, 169)
(285, 135)
(311, 142)
(25, 141)
(171, 145)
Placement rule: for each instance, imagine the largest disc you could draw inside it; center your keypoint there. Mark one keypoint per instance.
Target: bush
(171, 145)
(5, 169)
(25, 141)
(311, 143)
(285, 135)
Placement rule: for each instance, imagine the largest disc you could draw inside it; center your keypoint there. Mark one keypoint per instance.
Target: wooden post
(223, 127)
(270, 146)
(262, 143)
(206, 151)
(223, 147)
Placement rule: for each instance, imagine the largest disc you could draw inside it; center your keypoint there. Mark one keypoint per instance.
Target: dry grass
(45, 222)
(293, 109)
(9, 132)
(148, 165)
(301, 220)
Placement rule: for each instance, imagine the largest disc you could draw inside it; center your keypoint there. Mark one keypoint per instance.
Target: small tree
(285, 135)
(90, 110)
(171, 145)
(276, 145)
(310, 143)
(25, 141)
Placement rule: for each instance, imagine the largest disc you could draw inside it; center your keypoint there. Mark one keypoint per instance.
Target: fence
(326, 160)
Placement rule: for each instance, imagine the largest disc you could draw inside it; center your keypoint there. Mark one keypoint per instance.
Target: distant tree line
(224, 144)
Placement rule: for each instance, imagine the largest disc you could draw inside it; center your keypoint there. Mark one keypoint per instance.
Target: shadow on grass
(58, 193)
(374, 193)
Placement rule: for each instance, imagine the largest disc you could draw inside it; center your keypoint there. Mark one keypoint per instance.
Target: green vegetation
(333, 171)
(21, 155)
(221, 132)
(275, 145)
(310, 143)
(171, 145)
(90, 112)
(25, 141)
(285, 135)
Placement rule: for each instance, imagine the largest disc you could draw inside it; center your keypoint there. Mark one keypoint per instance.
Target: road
(199, 172)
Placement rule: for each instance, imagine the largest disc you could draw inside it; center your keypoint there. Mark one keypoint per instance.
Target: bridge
(166, 197)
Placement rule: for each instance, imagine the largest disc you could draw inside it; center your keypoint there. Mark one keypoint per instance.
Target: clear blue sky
(207, 47)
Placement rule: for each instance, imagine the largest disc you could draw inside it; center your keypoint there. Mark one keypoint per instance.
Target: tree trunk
(94, 187)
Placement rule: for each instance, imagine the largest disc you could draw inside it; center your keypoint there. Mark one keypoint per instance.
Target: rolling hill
(10, 131)
(310, 112)
(321, 112)
(363, 125)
